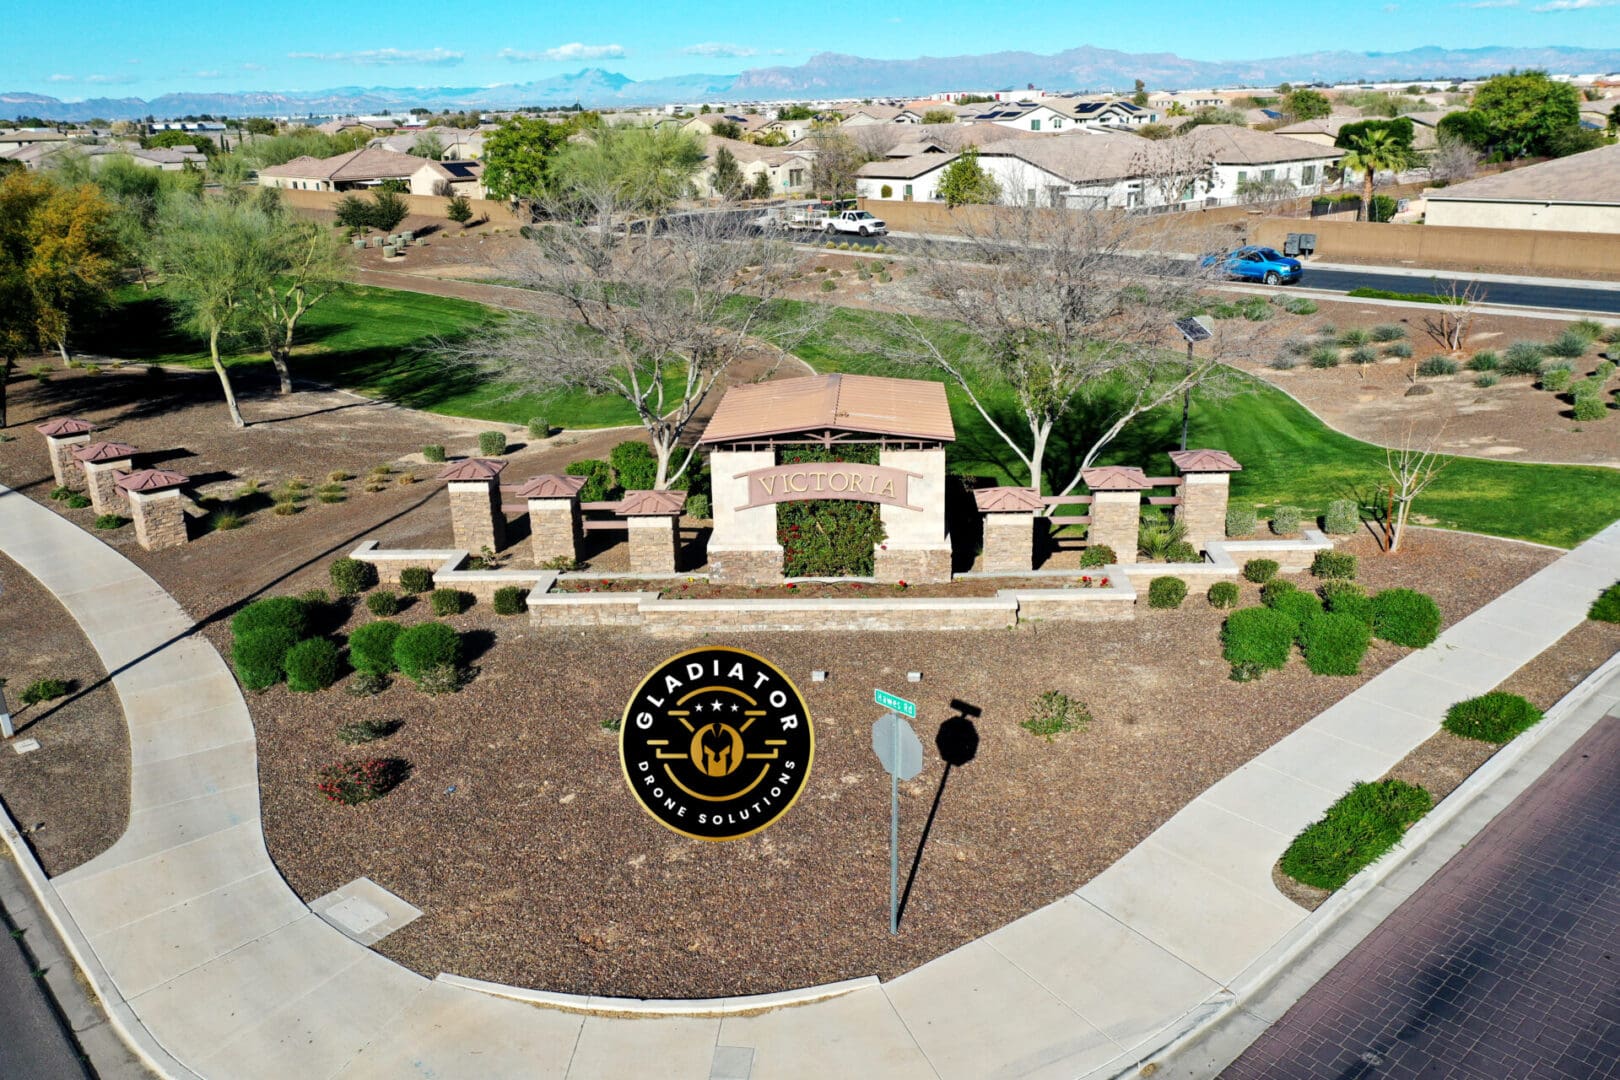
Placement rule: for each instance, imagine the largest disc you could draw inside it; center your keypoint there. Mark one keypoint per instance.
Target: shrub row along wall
(445, 565)
(434, 206)
(1516, 250)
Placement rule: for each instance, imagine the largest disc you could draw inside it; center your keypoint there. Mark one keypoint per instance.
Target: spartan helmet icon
(717, 749)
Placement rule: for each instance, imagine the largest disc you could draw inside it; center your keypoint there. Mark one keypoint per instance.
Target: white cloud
(63, 78)
(719, 48)
(386, 57)
(109, 79)
(1574, 5)
(575, 50)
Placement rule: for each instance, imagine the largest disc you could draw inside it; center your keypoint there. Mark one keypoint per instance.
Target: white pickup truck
(856, 221)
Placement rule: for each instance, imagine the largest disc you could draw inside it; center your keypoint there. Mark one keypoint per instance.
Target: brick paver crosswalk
(1504, 965)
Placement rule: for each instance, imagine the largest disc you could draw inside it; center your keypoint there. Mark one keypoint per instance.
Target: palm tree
(1371, 152)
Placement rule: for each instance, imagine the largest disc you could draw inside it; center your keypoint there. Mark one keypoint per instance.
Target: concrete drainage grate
(732, 1063)
(364, 911)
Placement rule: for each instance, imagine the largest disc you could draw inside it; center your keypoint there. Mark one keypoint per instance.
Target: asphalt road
(33, 1044)
(1571, 297)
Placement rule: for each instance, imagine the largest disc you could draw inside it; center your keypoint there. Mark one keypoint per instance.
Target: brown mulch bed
(70, 797)
(535, 867)
(1445, 760)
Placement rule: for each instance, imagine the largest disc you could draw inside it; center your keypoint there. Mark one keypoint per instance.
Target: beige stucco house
(1579, 193)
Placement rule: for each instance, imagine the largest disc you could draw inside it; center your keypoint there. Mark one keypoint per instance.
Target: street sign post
(895, 704)
(899, 751)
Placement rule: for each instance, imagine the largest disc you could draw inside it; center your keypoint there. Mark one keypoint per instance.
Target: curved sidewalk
(205, 955)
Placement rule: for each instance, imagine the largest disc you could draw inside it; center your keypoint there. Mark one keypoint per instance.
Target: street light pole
(1186, 396)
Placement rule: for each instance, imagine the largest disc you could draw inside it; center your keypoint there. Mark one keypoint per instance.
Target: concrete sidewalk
(219, 970)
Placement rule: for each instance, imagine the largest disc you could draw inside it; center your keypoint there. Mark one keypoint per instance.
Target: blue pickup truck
(1255, 263)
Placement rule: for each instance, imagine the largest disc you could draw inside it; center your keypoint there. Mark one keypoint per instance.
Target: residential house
(794, 130)
(704, 124)
(1122, 113)
(1322, 131)
(787, 167)
(449, 178)
(165, 159)
(1579, 193)
(1240, 157)
(863, 115)
(344, 123)
(459, 144)
(910, 179)
(17, 138)
(363, 168)
(1025, 116)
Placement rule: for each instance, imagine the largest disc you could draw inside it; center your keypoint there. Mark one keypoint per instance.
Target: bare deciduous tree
(1459, 303)
(1453, 160)
(1174, 169)
(832, 170)
(655, 313)
(1059, 308)
(1411, 468)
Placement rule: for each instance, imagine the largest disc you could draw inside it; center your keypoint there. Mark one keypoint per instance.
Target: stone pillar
(101, 478)
(159, 521)
(556, 530)
(654, 541)
(1009, 528)
(743, 549)
(1205, 482)
(475, 515)
(917, 548)
(1116, 508)
(63, 436)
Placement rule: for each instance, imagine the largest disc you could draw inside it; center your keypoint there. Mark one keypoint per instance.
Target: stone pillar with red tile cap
(476, 519)
(1205, 480)
(653, 517)
(154, 505)
(1009, 528)
(1116, 508)
(102, 463)
(62, 436)
(555, 529)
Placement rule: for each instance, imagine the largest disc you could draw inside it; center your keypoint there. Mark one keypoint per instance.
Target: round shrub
(634, 466)
(433, 452)
(509, 600)
(1166, 592)
(1333, 644)
(446, 602)
(1388, 332)
(312, 664)
(1347, 598)
(1240, 521)
(1276, 589)
(1487, 380)
(1354, 337)
(420, 649)
(1590, 408)
(1401, 350)
(1260, 571)
(697, 506)
(1484, 361)
(492, 443)
(108, 522)
(1297, 604)
(351, 783)
(1363, 355)
(1181, 551)
(371, 647)
(383, 603)
(1495, 717)
(1258, 636)
(598, 476)
(1343, 518)
(1098, 555)
(416, 579)
(1334, 564)
(1369, 820)
(275, 612)
(258, 655)
(1406, 617)
(1570, 344)
(539, 427)
(1521, 358)
(1555, 379)
(1285, 520)
(1325, 356)
(1606, 608)
(1223, 594)
(1436, 366)
(351, 577)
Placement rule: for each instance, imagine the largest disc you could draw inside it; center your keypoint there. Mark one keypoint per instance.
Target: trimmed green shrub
(109, 522)
(1334, 564)
(509, 600)
(634, 466)
(1343, 518)
(1223, 594)
(539, 427)
(1097, 555)
(1333, 644)
(697, 506)
(1436, 366)
(1297, 604)
(1590, 408)
(1275, 589)
(312, 664)
(1388, 332)
(1495, 717)
(44, 690)
(278, 612)
(1260, 571)
(1600, 374)
(420, 649)
(1363, 355)
(76, 501)
(1325, 356)
(1166, 592)
(1556, 379)
(1606, 608)
(1522, 358)
(1406, 617)
(598, 476)
(259, 655)
(351, 577)
(433, 452)
(1484, 361)
(1354, 338)
(1182, 552)
(1570, 344)
(491, 443)
(1347, 598)
(1370, 819)
(1285, 520)
(383, 603)
(447, 602)
(1240, 521)
(1259, 636)
(416, 579)
(371, 647)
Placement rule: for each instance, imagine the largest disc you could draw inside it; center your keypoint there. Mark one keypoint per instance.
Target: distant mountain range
(833, 75)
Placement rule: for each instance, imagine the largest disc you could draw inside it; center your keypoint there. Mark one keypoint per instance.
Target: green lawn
(374, 341)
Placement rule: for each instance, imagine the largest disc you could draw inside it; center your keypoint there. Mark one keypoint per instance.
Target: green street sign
(898, 704)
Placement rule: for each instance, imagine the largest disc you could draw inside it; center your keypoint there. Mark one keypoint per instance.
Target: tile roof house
(788, 168)
(449, 178)
(362, 168)
(1579, 193)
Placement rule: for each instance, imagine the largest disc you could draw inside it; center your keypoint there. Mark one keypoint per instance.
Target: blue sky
(74, 49)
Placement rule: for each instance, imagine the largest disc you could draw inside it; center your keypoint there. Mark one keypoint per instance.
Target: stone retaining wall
(445, 564)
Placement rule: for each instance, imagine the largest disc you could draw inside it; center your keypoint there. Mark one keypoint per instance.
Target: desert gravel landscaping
(516, 836)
